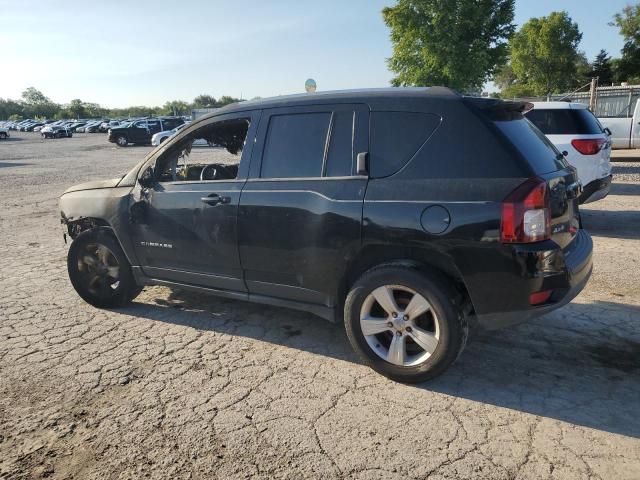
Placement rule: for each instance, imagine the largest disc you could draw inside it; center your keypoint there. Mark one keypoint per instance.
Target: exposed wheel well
(76, 227)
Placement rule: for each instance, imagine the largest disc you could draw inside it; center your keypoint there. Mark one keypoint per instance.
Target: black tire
(446, 303)
(163, 139)
(122, 141)
(3, 135)
(108, 291)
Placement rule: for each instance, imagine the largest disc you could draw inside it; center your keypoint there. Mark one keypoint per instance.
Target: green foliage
(544, 53)
(176, 107)
(628, 23)
(33, 96)
(204, 101)
(455, 43)
(602, 68)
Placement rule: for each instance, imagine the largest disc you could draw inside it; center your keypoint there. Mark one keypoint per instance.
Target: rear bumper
(567, 282)
(596, 190)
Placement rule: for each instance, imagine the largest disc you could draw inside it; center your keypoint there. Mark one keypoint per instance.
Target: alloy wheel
(399, 325)
(99, 269)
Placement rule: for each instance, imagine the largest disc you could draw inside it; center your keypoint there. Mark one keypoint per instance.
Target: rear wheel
(3, 135)
(405, 324)
(99, 270)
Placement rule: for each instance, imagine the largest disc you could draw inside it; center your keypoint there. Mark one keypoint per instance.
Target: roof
(560, 105)
(340, 96)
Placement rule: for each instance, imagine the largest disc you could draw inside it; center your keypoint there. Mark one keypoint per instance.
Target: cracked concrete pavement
(180, 385)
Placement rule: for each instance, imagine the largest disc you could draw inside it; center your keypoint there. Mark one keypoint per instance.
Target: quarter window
(395, 139)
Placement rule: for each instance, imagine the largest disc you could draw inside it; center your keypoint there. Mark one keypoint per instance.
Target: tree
(204, 101)
(76, 107)
(36, 104)
(455, 43)
(176, 107)
(544, 53)
(227, 100)
(628, 22)
(601, 68)
(33, 96)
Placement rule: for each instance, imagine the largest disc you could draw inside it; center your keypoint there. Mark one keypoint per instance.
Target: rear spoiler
(496, 105)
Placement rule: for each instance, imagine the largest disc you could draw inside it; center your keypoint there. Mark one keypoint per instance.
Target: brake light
(538, 298)
(526, 214)
(588, 146)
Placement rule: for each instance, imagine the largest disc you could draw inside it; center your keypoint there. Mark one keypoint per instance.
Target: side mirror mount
(147, 179)
(361, 164)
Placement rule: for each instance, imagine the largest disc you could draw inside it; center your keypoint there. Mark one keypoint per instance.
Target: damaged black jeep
(410, 214)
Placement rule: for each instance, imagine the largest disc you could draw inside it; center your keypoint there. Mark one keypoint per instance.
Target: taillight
(588, 146)
(525, 213)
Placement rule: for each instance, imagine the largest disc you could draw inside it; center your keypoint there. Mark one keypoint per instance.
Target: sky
(120, 53)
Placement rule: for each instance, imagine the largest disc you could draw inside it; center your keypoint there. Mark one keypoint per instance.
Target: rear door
(299, 220)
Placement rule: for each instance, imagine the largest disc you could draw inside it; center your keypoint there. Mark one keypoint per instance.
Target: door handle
(215, 199)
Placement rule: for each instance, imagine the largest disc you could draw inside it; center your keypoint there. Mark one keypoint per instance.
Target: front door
(299, 222)
(188, 233)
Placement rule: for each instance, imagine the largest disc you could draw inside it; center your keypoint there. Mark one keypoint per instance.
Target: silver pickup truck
(625, 129)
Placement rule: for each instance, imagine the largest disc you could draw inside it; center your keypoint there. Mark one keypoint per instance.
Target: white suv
(576, 132)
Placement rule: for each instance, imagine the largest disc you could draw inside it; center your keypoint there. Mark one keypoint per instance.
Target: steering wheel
(205, 168)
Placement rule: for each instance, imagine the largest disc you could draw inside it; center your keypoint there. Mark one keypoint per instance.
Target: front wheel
(122, 141)
(99, 270)
(405, 324)
(3, 135)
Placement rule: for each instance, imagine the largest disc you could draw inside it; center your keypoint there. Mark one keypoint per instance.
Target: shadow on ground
(624, 169)
(576, 365)
(13, 164)
(625, 189)
(611, 223)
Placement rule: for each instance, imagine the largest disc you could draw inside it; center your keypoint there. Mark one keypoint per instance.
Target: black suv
(140, 131)
(411, 214)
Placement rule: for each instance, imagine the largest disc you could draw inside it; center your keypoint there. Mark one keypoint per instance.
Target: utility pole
(593, 93)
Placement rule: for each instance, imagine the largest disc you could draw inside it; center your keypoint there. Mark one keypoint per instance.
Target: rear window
(395, 139)
(564, 121)
(531, 143)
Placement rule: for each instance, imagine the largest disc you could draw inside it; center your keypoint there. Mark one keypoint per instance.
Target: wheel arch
(425, 260)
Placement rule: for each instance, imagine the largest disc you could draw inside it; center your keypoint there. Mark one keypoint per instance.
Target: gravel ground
(188, 386)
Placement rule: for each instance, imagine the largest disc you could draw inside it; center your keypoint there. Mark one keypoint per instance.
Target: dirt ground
(180, 385)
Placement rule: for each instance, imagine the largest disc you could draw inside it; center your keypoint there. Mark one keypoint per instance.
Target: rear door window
(564, 121)
(295, 145)
(340, 154)
(395, 139)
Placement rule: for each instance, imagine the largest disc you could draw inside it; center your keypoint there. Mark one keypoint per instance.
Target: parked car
(4, 133)
(624, 128)
(57, 131)
(105, 126)
(161, 137)
(576, 132)
(360, 206)
(93, 127)
(141, 131)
